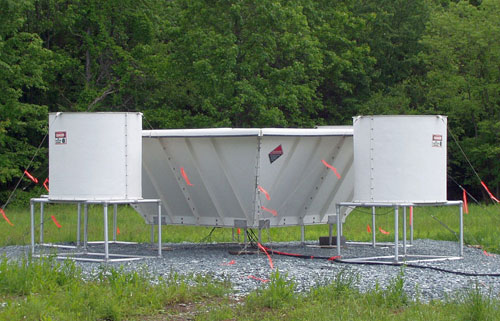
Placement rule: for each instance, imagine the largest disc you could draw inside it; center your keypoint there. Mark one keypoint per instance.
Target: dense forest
(241, 63)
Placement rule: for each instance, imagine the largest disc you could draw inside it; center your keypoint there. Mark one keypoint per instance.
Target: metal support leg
(152, 234)
(302, 234)
(411, 225)
(106, 241)
(115, 225)
(245, 236)
(374, 240)
(461, 230)
(260, 235)
(32, 212)
(404, 231)
(330, 234)
(338, 229)
(159, 229)
(396, 233)
(85, 226)
(78, 228)
(41, 222)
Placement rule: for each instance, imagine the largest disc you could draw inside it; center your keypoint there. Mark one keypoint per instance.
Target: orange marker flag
(5, 217)
(34, 179)
(258, 279)
(45, 184)
(117, 230)
(55, 221)
(489, 193)
(184, 175)
(383, 231)
(488, 254)
(265, 192)
(270, 211)
(238, 231)
(331, 167)
(268, 256)
(464, 196)
(368, 228)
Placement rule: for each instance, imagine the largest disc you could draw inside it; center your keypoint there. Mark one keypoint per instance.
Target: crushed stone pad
(249, 272)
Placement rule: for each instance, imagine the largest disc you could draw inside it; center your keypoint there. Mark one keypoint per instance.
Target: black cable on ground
(207, 238)
(337, 259)
(418, 267)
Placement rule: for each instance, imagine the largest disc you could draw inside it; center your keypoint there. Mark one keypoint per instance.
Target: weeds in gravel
(44, 289)
(278, 292)
(477, 304)
(341, 300)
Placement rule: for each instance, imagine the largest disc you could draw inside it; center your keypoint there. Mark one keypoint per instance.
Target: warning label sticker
(275, 154)
(61, 138)
(437, 140)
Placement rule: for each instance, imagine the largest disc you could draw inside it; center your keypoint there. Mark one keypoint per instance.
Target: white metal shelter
(400, 162)
(94, 158)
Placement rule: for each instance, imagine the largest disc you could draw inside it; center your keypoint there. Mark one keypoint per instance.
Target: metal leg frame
(78, 228)
(396, 258)
(107, 256)
(374, 237)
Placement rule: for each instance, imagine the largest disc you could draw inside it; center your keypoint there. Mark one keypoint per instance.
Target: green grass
(45, 289)
(49, 290)
(340, 300)
(480, 226)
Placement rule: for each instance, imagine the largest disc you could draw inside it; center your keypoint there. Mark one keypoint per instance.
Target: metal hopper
(247, 177)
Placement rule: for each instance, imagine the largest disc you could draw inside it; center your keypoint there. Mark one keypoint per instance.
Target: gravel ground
(249, 272)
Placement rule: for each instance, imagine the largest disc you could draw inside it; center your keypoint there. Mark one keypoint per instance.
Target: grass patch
(480, 226)
(46, 289)
(341, 300)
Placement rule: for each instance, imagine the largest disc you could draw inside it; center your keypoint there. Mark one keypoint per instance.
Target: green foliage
(23, 62)
(278, 292)
(191, 64)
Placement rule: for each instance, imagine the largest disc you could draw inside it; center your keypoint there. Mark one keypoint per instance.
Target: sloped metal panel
(302, 189)
(215, 177)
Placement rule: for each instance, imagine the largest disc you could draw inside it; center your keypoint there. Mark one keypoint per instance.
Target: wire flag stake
(34, 179)
(55, 221)
(6, 218)
(489, 193)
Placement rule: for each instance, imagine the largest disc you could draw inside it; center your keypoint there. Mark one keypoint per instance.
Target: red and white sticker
(275, 154)
(437, 140)
(61, 138)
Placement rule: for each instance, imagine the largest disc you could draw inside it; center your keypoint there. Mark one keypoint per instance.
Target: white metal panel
(95, 156)
(221, 170)
(319, 131)
(302, 189)
(202, 132)
(400, 158)
(226, 167)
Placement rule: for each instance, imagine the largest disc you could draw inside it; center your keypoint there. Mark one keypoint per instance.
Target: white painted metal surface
(220, 177)
(400, 159)
(95, 156)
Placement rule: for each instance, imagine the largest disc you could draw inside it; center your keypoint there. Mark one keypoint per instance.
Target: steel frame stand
(83, 254)
(399, 258)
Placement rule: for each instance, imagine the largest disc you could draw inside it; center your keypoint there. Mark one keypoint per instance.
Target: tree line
(242, 63)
